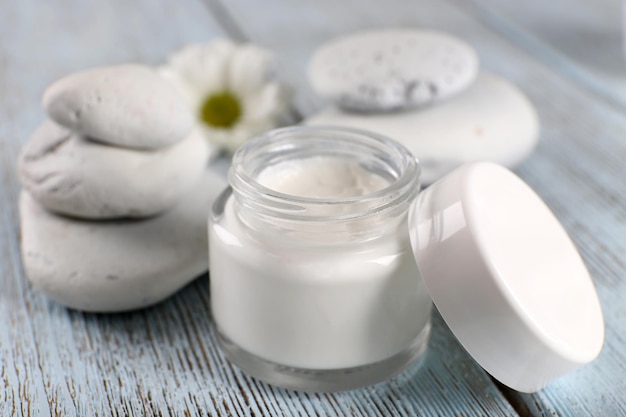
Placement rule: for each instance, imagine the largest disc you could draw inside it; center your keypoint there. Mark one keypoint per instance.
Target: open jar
(313, 274)
(318, 289)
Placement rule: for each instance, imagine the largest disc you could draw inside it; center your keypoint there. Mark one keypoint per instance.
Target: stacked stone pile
(116, 191)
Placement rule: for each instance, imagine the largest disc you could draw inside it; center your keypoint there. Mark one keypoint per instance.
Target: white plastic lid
(505, 276)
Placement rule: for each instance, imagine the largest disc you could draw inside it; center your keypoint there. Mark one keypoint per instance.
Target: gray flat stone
(126, 105)
(117, 265)
(385, 70)
(71, 175)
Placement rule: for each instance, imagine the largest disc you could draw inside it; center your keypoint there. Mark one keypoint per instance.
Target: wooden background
(566, 55)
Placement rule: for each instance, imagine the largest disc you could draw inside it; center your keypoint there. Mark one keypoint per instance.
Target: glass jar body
(316, 305)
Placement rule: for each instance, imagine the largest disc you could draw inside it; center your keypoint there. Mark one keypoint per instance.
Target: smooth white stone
(78, 177)
(385, 70)
(491, 121)
(118, 265)
(126, 105)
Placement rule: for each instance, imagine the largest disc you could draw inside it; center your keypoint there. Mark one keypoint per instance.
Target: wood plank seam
(540, 50)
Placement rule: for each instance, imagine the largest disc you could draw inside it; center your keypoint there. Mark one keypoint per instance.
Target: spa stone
(69, 174)
(126, 105)
(117, 265)
(491, 121)
(392, 69)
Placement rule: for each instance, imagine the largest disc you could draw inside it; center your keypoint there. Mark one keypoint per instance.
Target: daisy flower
(228, 86)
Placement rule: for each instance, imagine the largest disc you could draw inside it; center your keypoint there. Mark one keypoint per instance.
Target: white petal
(230, 139)
(190, 95)
(267, 102)
(238, 137)
(250, 67)
(204, 67)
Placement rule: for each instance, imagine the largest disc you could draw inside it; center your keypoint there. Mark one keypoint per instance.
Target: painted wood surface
(164, 360)
(585, 40)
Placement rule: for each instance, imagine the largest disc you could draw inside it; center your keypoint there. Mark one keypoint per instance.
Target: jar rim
(243, 181)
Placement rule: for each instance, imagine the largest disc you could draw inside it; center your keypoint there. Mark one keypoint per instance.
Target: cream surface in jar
(313, 281)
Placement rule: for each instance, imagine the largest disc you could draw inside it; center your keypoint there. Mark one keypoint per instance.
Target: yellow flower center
(221, 110)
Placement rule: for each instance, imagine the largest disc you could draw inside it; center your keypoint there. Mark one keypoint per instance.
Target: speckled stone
(388, 70)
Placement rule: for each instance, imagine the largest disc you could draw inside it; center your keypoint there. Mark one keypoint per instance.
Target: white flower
(229, 89)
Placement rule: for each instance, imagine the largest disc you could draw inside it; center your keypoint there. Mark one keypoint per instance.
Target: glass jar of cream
(314, 252)
(313, 281)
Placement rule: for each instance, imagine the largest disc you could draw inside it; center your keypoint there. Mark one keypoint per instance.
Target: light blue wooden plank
(53, 361)
(583, 40)
(578, 168)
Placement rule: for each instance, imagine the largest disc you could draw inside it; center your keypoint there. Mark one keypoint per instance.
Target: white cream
(336, 305)
(321, 177)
